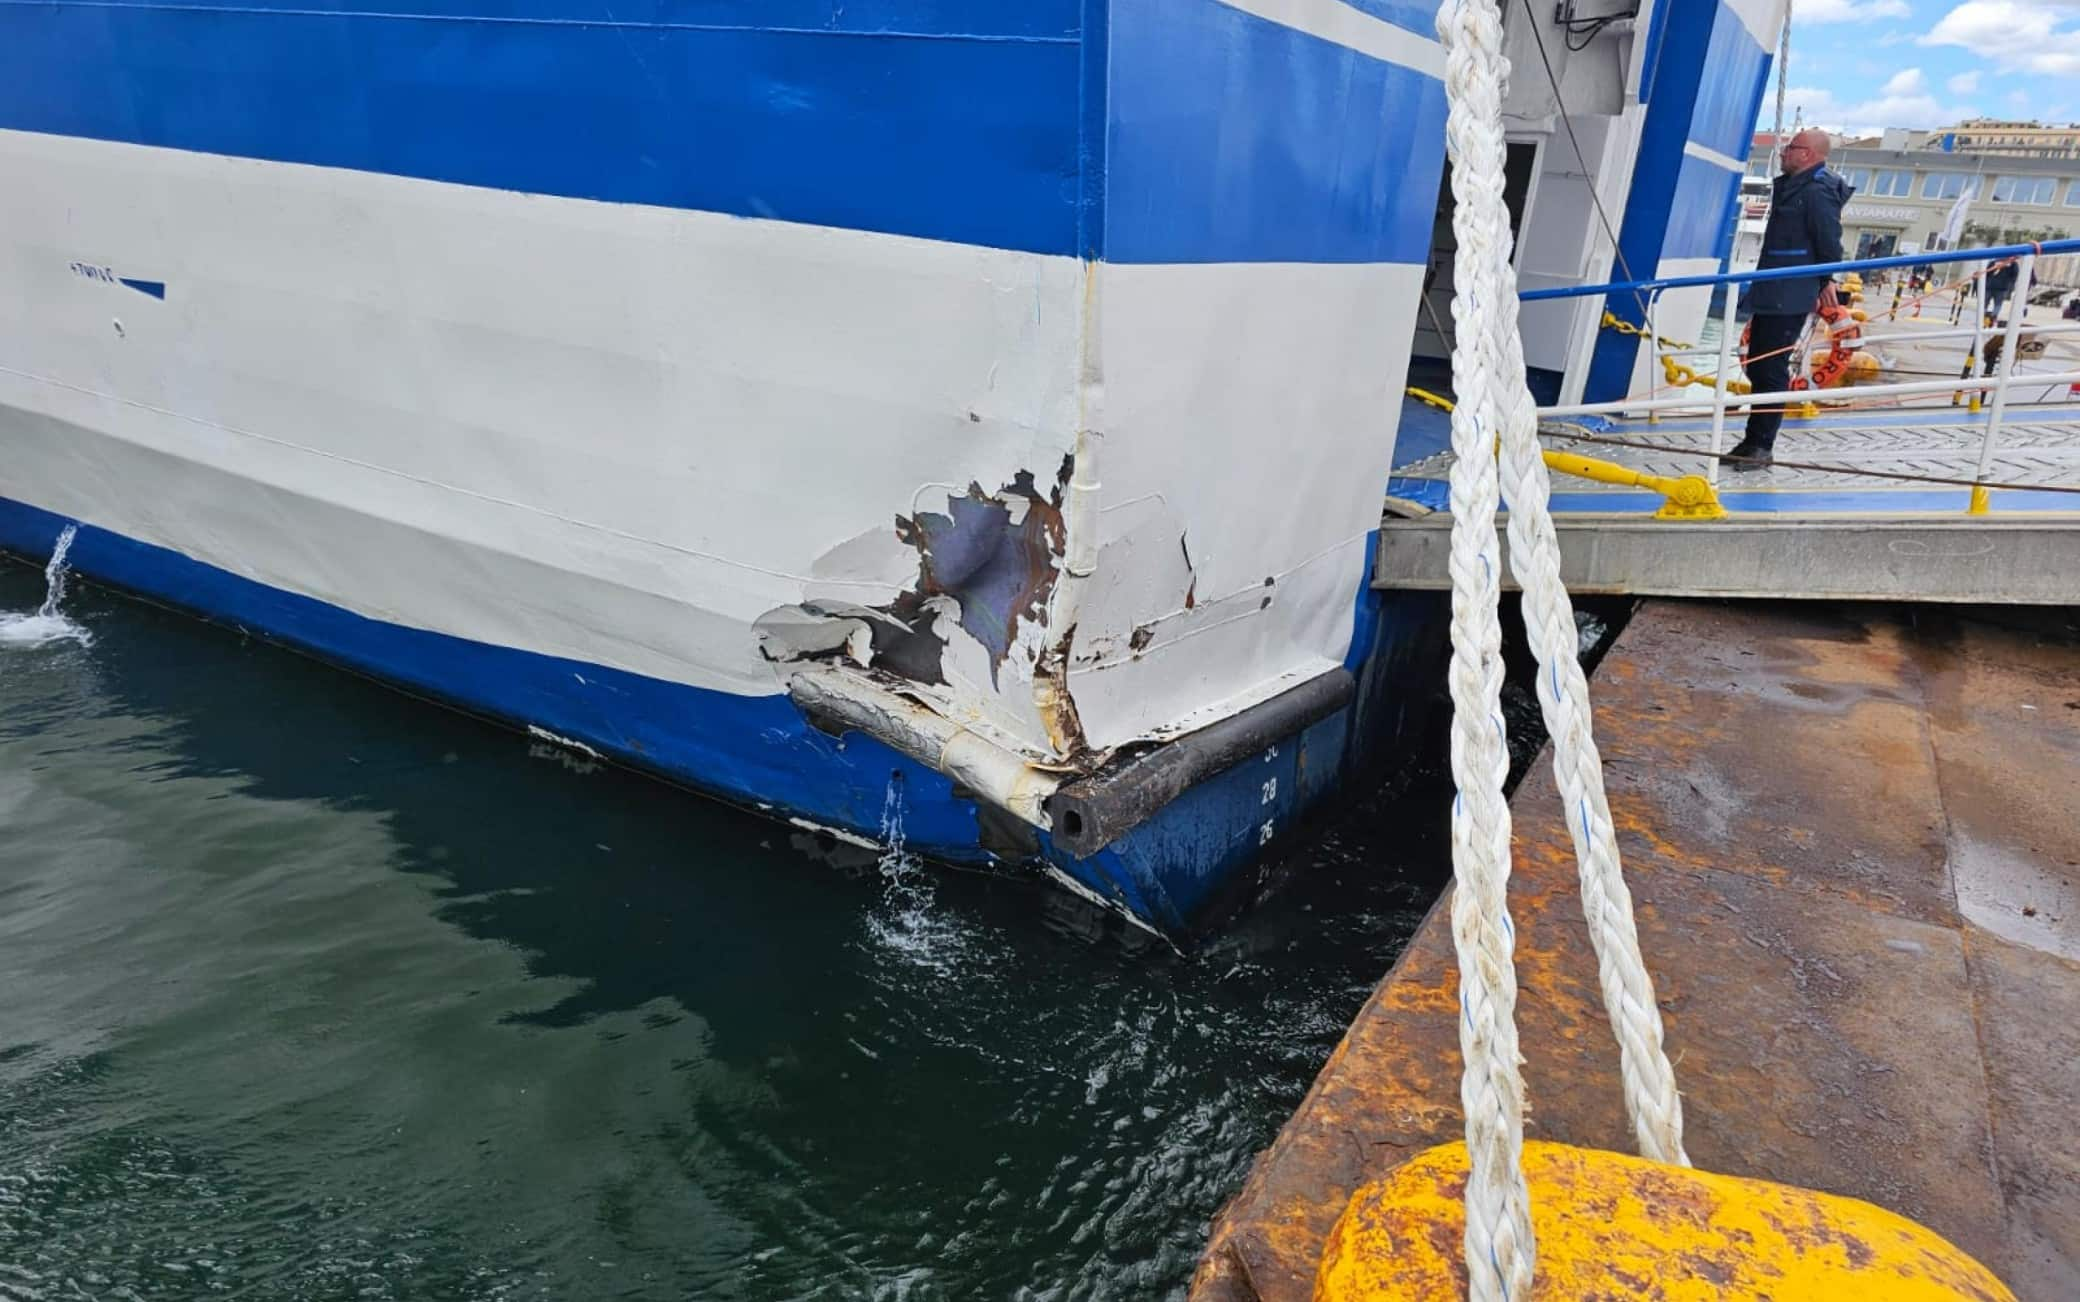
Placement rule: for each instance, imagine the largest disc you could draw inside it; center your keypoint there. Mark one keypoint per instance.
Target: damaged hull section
(991, 398)
(1171, 871)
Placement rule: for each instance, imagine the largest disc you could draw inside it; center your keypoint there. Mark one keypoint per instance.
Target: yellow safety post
(1610, 1225)
(1688, 498)
(1982, 501)
(1971, 364)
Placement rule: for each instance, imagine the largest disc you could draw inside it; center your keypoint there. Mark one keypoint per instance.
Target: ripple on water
(344, 997)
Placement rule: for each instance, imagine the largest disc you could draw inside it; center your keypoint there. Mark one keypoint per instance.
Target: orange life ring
(1843, 334)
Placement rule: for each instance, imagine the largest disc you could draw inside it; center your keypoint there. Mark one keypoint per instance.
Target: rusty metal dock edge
(1854, 843)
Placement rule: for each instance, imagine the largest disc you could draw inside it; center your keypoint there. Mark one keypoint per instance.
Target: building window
(2023, 189)
(1944, 185)
(2073, 195)
(1857, 177)
(1890, 184)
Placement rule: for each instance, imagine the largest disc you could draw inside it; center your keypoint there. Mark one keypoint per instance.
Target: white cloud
(1903, 101)
(2026, 35)
(1964, 83)
(1810, 12)
(2018, 100)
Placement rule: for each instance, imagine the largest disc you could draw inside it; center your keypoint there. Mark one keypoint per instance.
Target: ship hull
(1034, 367)
(1182, 868)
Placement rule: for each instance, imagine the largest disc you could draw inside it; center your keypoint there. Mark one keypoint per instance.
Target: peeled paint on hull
(987, 570)
(996, 554)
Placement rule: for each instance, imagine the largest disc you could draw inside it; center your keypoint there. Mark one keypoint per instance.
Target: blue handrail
(1817, 269)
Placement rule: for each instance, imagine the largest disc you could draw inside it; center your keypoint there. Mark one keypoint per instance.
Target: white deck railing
(1999, 385)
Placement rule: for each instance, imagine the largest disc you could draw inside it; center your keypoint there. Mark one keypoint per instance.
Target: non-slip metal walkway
(1921, 487)
(1790, 531)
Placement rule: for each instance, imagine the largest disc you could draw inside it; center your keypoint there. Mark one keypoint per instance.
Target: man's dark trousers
(1770, 333)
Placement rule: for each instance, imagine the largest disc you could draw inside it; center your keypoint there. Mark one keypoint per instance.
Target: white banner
(1953, 225)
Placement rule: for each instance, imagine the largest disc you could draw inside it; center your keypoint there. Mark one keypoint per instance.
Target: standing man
(1805, 229)
(2000, 287)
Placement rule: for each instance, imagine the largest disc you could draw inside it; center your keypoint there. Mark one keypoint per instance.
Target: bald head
(1807, 150)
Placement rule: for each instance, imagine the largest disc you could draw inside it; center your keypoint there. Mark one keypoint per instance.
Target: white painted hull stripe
(1339, 24)
(1706, 154)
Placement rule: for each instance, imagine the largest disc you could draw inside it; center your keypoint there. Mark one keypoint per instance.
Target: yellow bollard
(1689, 497)
(1609, 1225)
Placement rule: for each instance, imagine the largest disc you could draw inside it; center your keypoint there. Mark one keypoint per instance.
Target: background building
(2023, 139)
(2025, 178)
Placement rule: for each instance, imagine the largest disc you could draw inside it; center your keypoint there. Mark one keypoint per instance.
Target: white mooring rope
(1495, 439)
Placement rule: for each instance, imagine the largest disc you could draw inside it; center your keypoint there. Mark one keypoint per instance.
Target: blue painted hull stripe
(751, 750)
(426, 15)
(1674, 208)
(961, 138)
(1225, 137)
(1735, 66)
(1699, 211)
(1232, 138)
(1722, 123)
(1419, 18)
(947, 19)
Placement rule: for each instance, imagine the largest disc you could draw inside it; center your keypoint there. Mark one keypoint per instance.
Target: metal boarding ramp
(1881, 491)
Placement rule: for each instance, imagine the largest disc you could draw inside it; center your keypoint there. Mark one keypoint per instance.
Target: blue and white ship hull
(776, 397)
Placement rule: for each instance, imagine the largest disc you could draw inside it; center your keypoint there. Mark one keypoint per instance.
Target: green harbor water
(310, 990)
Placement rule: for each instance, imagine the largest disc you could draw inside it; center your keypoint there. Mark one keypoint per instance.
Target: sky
(1859, 66)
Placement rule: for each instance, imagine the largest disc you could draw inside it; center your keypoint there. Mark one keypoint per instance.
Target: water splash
(49, 623)
(908, 921)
